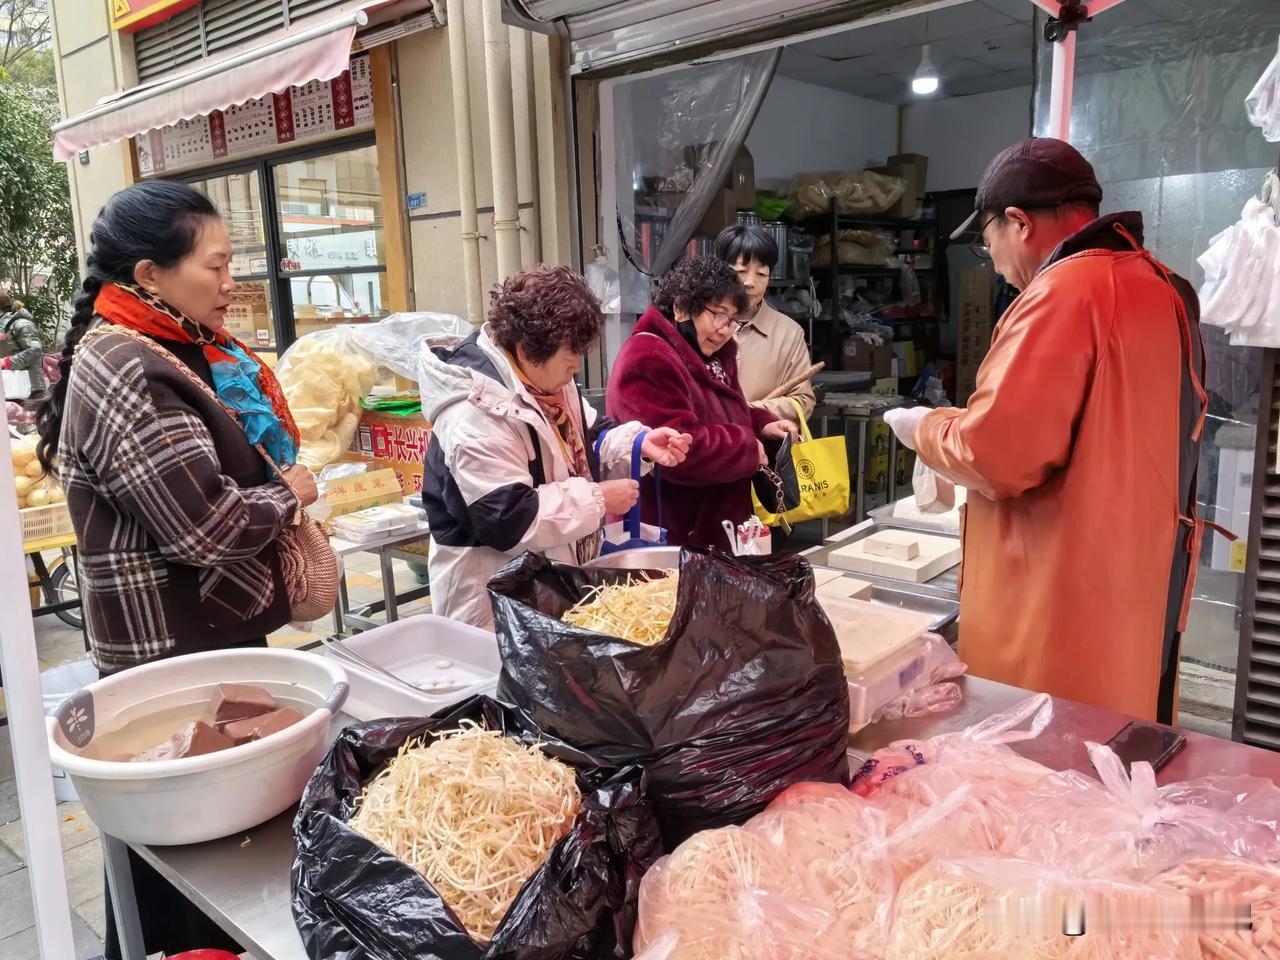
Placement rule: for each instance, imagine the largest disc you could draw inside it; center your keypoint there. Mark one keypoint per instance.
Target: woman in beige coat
(771, 346)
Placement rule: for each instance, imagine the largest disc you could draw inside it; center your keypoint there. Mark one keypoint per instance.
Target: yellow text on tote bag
(822, 467)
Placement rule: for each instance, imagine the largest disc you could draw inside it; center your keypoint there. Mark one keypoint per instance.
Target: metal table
(244, 888)
(387, 548)
(1061, 746)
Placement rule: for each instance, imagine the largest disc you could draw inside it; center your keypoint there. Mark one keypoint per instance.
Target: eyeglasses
(979, 245)
(722, 320)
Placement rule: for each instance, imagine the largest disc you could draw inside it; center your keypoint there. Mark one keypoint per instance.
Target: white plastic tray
(416, 649)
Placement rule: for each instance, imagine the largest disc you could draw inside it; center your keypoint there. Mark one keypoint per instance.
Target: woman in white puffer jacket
(513, 463)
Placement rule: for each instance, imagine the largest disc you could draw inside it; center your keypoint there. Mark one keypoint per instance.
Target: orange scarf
(254, 395)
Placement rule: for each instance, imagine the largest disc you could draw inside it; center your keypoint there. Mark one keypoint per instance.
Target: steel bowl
(639, 558)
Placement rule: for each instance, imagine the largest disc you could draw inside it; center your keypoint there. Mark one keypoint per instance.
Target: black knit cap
(1038, 173)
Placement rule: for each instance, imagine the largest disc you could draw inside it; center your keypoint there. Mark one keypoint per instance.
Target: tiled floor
(81, 851)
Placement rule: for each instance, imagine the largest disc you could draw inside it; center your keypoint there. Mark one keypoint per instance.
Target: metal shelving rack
(832, 222)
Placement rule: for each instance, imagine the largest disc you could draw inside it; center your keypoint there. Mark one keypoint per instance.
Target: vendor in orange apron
(1079, 446)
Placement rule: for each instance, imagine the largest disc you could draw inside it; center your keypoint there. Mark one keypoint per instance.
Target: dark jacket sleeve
(29, 350)
(646, 388)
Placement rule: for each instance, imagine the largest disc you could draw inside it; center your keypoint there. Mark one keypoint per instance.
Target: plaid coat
(175, 517)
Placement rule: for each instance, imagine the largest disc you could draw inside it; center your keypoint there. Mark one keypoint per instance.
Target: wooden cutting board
(935, 556)
(869, 632)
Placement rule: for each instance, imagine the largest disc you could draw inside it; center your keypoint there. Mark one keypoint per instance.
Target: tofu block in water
(195, 739)
(255, 728)
(238, 701)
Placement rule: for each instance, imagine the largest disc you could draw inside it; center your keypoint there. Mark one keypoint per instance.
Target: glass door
(328, 213)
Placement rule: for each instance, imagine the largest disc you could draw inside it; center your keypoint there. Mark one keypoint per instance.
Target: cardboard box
(395, 443)
(975, 328)
(373, 489)
(877, 478)
(722, 213)
(859, 356)
(913, 168)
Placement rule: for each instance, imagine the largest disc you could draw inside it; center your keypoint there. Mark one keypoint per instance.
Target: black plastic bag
(746, 696)
(354, 901)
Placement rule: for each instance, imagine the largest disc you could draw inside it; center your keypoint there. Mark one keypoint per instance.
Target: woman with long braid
(176, 512)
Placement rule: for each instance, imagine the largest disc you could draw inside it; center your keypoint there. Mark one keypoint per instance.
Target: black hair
(156, 220)
(748, 244)
(6, 300)
(694, 284)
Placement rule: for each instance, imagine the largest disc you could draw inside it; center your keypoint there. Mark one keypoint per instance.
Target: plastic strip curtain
(676, 133)
(1159, 109)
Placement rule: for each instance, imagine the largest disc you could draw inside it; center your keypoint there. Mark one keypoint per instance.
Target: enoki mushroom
(638, 609)
(476, 813)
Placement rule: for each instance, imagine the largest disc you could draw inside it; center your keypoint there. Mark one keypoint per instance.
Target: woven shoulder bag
(308, 564)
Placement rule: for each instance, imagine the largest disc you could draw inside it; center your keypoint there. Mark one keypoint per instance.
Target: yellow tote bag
(822, 467)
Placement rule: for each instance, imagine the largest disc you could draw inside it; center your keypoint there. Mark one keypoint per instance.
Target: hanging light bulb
(925, 80)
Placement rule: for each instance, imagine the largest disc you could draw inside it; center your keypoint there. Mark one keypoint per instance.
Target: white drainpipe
(461, 84)
(502, 140)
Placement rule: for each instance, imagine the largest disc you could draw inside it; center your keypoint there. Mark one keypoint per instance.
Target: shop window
(238, 198)
(333, 256)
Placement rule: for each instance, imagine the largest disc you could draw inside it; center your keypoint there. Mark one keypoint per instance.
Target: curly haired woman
(679, 369)
(514, 463)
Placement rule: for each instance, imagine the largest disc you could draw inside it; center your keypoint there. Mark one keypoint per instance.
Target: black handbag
(777, 487)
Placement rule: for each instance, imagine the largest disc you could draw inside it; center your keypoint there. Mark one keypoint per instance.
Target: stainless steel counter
(244, 887)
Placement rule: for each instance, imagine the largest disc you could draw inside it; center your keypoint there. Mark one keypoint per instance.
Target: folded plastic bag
(745, 696)
(352, 900)
(940, 696)
(934, 492)
(976, 766)
(980, 752)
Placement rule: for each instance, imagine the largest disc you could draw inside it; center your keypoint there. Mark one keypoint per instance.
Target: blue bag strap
(633, 515)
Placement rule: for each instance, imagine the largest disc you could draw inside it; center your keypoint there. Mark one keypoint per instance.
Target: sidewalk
(81, 851)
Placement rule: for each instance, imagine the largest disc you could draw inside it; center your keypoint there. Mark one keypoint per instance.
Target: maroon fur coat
(662, 381)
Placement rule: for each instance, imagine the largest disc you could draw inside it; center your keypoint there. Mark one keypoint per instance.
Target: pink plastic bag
(1126, 824)
(728, 893)
(911, 776)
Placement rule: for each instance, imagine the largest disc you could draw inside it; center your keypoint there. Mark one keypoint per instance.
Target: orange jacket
(1079, 448)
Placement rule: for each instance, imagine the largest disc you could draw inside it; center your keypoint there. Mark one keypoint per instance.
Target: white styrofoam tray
(421, 650)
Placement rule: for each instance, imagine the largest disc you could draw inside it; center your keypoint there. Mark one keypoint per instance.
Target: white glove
(902, 421)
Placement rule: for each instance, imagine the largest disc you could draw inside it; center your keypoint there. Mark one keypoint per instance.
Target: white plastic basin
(194, 799)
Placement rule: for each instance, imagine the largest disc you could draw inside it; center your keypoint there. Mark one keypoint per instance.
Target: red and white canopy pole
(27, 735)
(1062, 86)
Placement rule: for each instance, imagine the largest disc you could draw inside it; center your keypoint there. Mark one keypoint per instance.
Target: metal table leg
(342, 609)
(825, 430)
(388, 585)
(864, 454)
(893, 467)
(124, 903)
